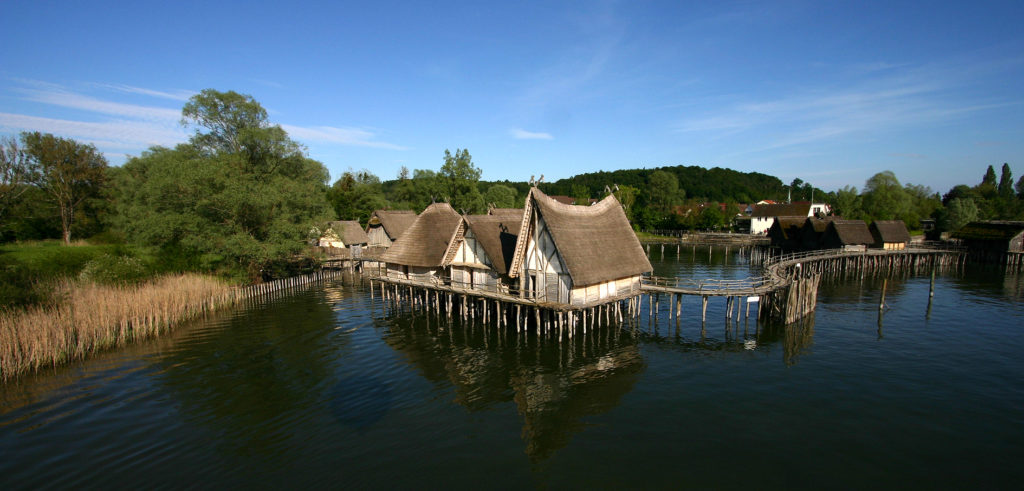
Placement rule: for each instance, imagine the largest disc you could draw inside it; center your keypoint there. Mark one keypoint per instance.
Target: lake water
(326, 387)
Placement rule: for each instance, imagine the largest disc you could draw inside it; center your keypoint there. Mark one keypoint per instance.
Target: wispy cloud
(121, 134)
(61, 97)
(521, 134)
(903, 97)
(112, 125)
(344, 136)
(177, 95)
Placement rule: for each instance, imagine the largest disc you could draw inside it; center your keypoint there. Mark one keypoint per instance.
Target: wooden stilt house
(812, 232)
(995, 236)
(576, 255)
(891, 235)
(851, 235)
(420, 254)
(785, 232)
(346, 234)
(386, 226)
(481, 250)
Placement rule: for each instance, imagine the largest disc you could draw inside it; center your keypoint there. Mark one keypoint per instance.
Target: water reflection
(250, 381)
(554, 385)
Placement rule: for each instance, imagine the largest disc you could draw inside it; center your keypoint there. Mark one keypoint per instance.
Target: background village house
(891, 235)
(420, 254)
(764, 215)
(386, 226)
(481, 250)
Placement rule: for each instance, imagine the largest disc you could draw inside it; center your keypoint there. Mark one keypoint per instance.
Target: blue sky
(830, 92)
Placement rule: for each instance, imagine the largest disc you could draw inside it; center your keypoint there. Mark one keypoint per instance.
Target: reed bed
(91, 317)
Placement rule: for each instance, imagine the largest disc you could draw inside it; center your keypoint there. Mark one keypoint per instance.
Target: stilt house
(576, 255)
(421, 252)
(851, 235)
(481, 250)
(995, 236)
(785, 232)
(812, 232)
(345, 235)
(890, 235)
(386, 226)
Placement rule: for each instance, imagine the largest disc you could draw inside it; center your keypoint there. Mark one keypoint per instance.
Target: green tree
(1020, 187)
(958, 212)
(355, 195)
(459, 176)
(884, 198)
(501, 196)
(68, 171)
(923, 204)
(239, 196)
(1006, 182)
(664, 190)
(848, 203)
(16, 172)
(581, 194)
(627, 197)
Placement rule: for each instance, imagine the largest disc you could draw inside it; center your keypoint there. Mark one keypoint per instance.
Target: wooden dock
(785, 292)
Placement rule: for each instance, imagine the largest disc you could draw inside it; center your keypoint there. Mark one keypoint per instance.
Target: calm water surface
(328, 387)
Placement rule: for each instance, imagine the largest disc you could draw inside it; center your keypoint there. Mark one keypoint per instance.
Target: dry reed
(92, 317)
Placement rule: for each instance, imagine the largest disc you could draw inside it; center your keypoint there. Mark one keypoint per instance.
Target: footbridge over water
(788, 288)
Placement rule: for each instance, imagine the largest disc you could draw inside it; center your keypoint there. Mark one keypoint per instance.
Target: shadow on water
(554, 385)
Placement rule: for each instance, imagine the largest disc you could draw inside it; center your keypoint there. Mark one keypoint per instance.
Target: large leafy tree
(16, 171)
(459, 177)
(240, 195)
(501, 196)
(884, 198)
(355, 195)
(68, 172)
(664, 190)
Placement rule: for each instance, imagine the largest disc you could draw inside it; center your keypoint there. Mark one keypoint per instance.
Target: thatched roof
(889, 231)
(349, 231)
(786, 227)
(851, 232)
(497, 234)
(799, 209)
(426, 240)
(506, 212)
(1001, 230)
(596, 242)
(819, 225)
(395, 222)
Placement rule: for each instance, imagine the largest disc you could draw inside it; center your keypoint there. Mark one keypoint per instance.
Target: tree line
(241, 196)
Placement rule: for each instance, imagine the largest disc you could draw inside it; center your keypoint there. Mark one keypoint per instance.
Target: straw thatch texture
(889, 231)
(842, 233)
(801, 209)
(425, 242)
(990, 230)
(350, 232)
(596, 242)
(395, 222)
(497, 234)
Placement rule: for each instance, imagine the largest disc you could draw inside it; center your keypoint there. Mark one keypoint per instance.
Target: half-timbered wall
(546, 277)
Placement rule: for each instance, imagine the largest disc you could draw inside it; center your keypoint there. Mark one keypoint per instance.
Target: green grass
(28, 270)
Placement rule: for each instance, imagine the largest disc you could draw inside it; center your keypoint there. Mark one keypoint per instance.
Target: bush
(110, 269)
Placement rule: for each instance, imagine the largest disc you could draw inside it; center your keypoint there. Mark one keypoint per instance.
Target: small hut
(812, 232)
(785, 232)
(890, 235)
(481, 250)
(386, 226)
(992, 236)
(576, 255)
(850, 235)
(421, 252)
(347, 234)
